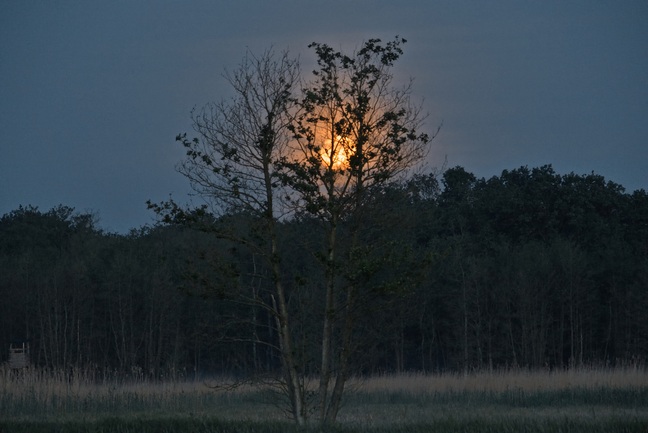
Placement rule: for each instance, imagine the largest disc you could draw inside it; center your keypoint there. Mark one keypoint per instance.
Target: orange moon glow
(334, 156)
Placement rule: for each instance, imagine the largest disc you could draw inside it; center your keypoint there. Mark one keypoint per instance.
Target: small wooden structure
(19, 355)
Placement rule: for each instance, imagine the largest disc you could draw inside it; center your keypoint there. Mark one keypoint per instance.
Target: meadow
(577, 400)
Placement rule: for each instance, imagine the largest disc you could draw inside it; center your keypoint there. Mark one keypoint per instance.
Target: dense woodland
(529, 268)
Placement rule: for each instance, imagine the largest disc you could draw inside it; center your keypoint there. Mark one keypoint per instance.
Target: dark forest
(527, 269)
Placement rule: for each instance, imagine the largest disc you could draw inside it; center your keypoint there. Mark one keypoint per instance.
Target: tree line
(529, 268)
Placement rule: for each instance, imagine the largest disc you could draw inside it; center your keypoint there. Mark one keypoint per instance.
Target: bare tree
(232, 166)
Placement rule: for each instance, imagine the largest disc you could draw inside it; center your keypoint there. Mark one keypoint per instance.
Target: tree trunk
(295, 390)
(327, 332)
(343, 368)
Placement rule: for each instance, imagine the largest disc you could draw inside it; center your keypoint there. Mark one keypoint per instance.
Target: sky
(94, 92)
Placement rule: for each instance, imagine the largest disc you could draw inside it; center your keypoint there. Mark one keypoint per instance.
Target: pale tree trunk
(295, 390)
(291, 376)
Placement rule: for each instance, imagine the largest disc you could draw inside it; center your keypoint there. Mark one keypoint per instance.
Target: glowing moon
(334, 156)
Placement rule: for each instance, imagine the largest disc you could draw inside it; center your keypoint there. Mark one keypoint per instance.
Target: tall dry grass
(518, 398)
(379, 400)
(506, 380)
(46, 384)
(47, 394)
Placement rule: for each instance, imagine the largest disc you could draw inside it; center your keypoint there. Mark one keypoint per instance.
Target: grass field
(583, 400)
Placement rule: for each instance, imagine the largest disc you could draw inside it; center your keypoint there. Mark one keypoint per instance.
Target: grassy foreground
(583, 400)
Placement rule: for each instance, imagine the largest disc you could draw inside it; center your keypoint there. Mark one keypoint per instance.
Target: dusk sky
(93, 93)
